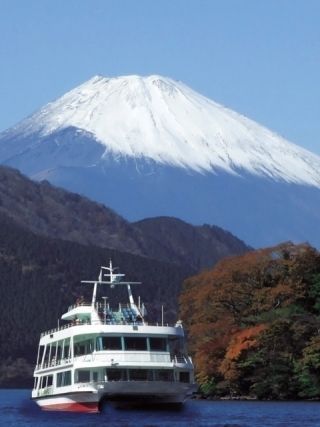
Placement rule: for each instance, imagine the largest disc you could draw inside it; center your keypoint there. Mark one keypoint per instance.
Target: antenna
(115, 280)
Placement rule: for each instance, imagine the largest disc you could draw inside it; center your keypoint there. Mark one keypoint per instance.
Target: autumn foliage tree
(253, 323)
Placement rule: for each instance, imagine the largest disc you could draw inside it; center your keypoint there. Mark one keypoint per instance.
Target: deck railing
(100, 323)
(79, 304)
(54, 363)
(115, 357)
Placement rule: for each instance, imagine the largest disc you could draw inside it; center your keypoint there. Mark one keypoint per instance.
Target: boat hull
(120, 394)
(145, 391)
(70, 402)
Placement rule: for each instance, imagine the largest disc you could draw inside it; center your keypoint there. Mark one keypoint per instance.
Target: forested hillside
(198, 246)
(40, 278)
(50, 239)
(53, 212)
(254, 322)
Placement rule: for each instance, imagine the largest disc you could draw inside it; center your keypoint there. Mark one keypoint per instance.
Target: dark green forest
(51, 239)
(40, 278)
(53, 212)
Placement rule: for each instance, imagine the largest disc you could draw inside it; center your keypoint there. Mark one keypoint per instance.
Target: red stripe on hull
(88, 407)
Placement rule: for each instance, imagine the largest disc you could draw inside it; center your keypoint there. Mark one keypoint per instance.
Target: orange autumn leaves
(243, 340)
(233, 314)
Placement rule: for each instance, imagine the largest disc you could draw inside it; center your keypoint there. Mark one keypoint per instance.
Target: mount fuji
(151, 146)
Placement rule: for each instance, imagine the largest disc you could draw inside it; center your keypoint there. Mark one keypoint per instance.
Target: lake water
(16, 409)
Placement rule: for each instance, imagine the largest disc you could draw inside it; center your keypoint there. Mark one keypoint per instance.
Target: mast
(131, 300)
(114, 280)
(95, 287)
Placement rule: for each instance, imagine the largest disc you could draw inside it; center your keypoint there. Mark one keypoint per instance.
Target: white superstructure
(114, 355)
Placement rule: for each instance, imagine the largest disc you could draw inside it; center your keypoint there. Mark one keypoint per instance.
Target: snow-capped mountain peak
(151, 146)
(164, 120)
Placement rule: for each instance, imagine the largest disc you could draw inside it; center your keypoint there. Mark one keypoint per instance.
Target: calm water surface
(17, 410)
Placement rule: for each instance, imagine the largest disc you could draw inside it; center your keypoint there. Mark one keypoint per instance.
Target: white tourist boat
(103, 354)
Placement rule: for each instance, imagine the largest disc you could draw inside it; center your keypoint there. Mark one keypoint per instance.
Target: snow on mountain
(164, 120)
(151, 146)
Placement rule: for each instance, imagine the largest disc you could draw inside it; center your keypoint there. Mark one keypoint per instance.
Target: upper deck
(86, 317)
(77, 328)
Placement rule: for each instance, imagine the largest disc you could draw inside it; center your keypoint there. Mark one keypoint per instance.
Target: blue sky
(260, 58)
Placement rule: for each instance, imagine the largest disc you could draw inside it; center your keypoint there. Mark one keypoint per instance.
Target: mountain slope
(151, 146)
(166, 121)
(40, 278)
(53, 212)
(260, 211)
(176, 237)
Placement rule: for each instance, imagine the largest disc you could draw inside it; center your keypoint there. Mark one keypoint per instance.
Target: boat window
(52, 360)
(46, 355)
(109, 343)
(46, 381)
(140, 375)
(63, 378)
(83, 376)
(163, 375)
(116, 374)
(49, 380)
(184, 377)
(176, 346)
(135, 343)
(66, 349)
(83, 347)
(59, 350)
(41, 350)
(158, 344)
